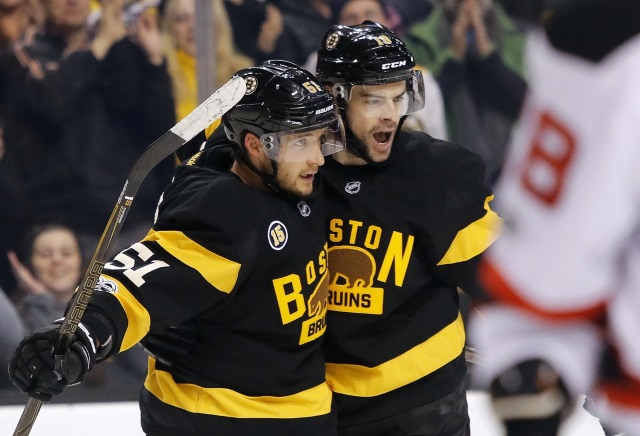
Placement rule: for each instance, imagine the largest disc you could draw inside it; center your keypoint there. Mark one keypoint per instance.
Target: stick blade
(211, 109)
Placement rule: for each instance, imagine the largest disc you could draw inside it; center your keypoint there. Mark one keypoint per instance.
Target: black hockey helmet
(281, 98)
(367, 53)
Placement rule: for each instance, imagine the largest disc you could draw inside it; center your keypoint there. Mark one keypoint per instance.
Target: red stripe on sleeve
(497, 287)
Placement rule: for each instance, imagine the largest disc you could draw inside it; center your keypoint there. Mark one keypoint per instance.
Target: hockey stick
(211, 109)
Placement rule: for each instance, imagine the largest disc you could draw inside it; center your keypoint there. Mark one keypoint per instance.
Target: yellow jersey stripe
(220, 272)
(138, 318)
(226, 402)
(418, 362)
(473, 239)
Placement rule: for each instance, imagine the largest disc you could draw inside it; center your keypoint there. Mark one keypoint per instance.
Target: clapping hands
(469, 31)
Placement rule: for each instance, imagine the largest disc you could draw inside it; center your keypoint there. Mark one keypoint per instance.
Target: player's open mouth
(382, 137)
(308, 177)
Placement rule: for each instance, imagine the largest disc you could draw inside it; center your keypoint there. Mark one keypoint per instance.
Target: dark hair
(37, 230)
(337, 6)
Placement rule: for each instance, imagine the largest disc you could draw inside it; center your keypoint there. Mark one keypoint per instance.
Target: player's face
(374, 113)
(56, 260)
(299, 158)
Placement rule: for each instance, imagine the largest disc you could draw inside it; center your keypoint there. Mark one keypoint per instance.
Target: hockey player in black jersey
(228, 290)
(408, 216)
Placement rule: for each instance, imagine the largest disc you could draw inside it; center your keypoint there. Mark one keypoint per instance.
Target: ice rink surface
(108, 419)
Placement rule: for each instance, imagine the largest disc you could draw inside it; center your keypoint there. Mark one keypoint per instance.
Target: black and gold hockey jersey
(248, 269)
(402, 237)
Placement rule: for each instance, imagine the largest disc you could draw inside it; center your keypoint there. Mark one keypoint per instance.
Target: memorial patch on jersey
(277, 235)
(352, 270)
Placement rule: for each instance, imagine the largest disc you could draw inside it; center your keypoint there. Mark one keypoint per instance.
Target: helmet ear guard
(340, 92)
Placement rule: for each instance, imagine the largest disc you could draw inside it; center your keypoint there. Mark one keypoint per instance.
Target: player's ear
(253, 145)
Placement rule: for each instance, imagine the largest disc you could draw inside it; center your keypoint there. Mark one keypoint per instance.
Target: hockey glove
(530, 399)
(32, 367)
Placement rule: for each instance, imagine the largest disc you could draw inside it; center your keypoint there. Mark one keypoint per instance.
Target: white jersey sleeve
(570, 192)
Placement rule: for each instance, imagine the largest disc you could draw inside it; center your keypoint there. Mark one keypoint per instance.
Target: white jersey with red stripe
(570, 245)
(570, 193)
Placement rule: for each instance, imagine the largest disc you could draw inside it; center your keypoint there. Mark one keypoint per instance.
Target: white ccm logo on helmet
(394, 65)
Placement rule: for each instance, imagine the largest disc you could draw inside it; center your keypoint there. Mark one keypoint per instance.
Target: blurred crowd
(85, 87)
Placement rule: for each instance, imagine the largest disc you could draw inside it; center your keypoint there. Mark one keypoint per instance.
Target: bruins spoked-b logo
(277, 235)
(332, 41)
(252, 84)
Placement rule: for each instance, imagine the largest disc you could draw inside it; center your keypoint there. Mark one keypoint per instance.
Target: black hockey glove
(531, 399)
(32, 367)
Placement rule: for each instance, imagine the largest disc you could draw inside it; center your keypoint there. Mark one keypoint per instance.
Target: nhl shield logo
(304, 209)
(104, 285)
(352, 187)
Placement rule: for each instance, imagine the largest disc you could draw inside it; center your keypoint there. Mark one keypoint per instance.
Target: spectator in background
(475, 52)
(178, 19)
(261, 24)
(407, 13)
(430, 119)
(18, 17)
(55, 268)
(178, 23)
(52, 271)
(279, 29)
(81, 112)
